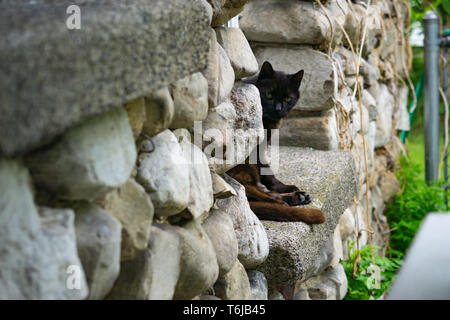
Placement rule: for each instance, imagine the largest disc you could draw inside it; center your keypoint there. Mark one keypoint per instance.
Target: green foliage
(446, 6)
(405, 215)
(361, 286)
(420, 7)
(418, 10)
(407, 211)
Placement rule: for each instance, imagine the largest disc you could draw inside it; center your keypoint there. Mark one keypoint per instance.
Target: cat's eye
(269, 96)
(287, 99)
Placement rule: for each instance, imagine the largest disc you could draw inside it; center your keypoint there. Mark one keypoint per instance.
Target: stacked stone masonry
(111, 136)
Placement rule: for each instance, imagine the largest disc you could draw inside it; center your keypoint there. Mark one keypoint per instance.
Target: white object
(425, 271)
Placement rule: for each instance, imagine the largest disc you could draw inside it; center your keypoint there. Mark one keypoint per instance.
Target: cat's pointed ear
(296, 79)
(266, 71)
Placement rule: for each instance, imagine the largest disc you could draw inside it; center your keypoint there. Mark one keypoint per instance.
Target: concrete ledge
(52, 78)
(295, 247)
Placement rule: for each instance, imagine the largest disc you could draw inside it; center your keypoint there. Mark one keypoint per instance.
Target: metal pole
(431, 95)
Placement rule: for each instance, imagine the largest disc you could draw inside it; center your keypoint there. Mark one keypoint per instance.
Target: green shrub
(404, 214)
(362, 286)
(408, 209)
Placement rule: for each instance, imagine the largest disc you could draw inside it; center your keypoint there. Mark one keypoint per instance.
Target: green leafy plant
(408, 209)
(370, 280)
(420, 7)
(405, 215)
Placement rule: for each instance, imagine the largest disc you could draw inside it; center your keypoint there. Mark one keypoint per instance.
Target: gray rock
(252, 238)
(219, 122)
(211, 72)
(323, 259)
(98, 243)
(359, 213)
(201, 197)
(387, 71)
(258, 285)
(238, 51)
(330, 178)
(351, 81)
(329, 256)
(87, 161)
(322, 291)
(355, 125)
(389, 186)
(226, 75)
(346, 100)
(219, 73)
(224, 10)
(275, 294)
(234, 128)
(374, 25)
(233, 285)
(221, 189)
(319, 86)
(352, 26)
(385, 105)
(219, 227)
(132, 206)
(153, 274)
(301, 294)
(370, 103)
(347, 225)
(348, 61)
(370, 73)
(198, 265)
(347, 230)
(58, 255)
(36, 253)
(357, 151)
(136, 115)
(318, 131)
(207, 297)
(159, 111)
(298, 22)
(337, 248)
(190, 97)
(123, 51)
(401, 114)
(208, 9)
(387, 42)
(331, 285)
(337, 10)
(381, 228)
(164, 173)
(374, 89)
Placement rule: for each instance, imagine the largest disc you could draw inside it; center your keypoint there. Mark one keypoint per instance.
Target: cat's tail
(278, 212)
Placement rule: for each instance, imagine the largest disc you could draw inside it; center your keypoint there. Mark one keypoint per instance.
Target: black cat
(269, 198)
(278, 91)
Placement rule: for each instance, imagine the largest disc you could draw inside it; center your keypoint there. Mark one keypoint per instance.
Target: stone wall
(111, 181)
(325, 39)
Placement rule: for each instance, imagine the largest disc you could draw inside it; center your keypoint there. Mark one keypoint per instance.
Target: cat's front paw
(304, 198)
(297, 198)
(301, 198)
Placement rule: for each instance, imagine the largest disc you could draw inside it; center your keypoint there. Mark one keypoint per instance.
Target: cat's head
(279, 91)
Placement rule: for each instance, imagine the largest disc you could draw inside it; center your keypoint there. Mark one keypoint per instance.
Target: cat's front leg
(284, 188)
(276, 185)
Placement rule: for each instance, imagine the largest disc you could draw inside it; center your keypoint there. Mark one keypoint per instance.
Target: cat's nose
(278, 107)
